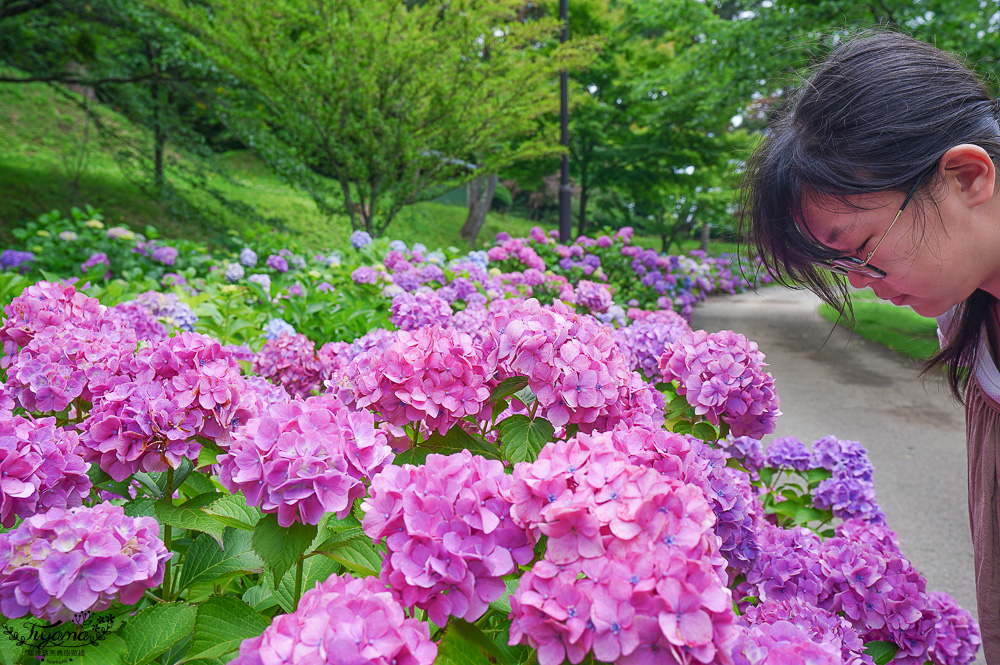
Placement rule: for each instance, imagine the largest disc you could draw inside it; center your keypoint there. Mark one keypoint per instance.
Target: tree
(392, 101)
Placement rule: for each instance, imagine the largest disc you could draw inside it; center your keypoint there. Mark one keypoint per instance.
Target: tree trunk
(480, 198)
(159, 133)
(582, 226)
(706, 233)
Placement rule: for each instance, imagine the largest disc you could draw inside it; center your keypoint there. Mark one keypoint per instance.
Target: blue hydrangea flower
(360, 238)
(263, 280)
(397, 246)
(275, 328)
(248, 257)
(234, 272)
(12, 259)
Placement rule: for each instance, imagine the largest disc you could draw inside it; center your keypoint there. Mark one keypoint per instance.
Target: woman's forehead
(829, 218)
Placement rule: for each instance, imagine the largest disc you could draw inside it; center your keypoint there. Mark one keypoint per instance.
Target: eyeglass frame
(856, 265)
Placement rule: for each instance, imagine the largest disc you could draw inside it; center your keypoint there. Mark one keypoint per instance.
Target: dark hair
(876, 116)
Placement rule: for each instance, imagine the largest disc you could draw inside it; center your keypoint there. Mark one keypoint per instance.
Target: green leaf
(190, 515)
(507, 387)
(232, 510)
(767, 475)
(153, 630)
(198, 483)
(353, 549)
(260, 597)
(456, 440)
(882, 652)
(280, 547)
(475, 636)
(415, 456)
(109, 651)
(815, 476)
(314, 569)
(502, 604)
(144, 507)
(682, 427)
(207, 561)
(734, 463)
(705, 432)
(222, 623)
(523, 439)
(455, 649)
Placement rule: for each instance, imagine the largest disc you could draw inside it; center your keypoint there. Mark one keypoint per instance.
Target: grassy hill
(52, 158)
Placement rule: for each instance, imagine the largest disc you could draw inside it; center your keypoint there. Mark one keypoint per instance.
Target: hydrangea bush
(506, 455)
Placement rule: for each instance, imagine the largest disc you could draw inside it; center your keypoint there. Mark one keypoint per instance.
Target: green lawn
(50, 159)
(899, 328)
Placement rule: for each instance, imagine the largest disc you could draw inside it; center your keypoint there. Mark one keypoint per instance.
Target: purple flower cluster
(277, 263)
(42, 305)
(722, 375)
(449, 534)
(343, 620)
(432, 375)
(41, 467)
(248, 257)
(631, 569)
(517, 249)
(575, 369)
(96, 259)
(277, 327)
(140, 318)
(304, 458)
(289, 361)
(12, 259)
(364, 275)
(411, 311)
(593, 296)
(360, 239)
(850, 492)
(648, 335)
(791, 630)
(234, 272)
(67, 561)
(958, 638)
(169, 307)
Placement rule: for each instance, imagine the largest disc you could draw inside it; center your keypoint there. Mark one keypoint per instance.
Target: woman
(882, 167)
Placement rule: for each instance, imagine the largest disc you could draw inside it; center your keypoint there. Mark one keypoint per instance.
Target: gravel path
(855, 389)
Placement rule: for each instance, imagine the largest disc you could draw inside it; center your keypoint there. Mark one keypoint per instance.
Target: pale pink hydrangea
(62, 562)
(290, 361)
(781, 643)
(631, 570)
(449, 534)
(343, 620)
(431, 375)
(41, 467)
(575, 369)
(722, 375)
(305, 458)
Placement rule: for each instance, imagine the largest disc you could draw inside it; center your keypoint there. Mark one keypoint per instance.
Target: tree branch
(13, 8)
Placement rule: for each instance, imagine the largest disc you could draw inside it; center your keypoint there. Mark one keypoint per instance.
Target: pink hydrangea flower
(41, 467)
(305, 458)
(958, 638)
(290, 361)
(83, 559)
(449, 534)
(40, 306)
(722, 375)
(593, 296)
(343, 620)
(430, 375)
(410, 311)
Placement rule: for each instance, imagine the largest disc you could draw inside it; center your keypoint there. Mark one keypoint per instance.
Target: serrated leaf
(221, 625)
(414, 456)
(198, 483)
(260, 597)
(109, 651)
(205, 560)
(314, 569)
(882, 652)
(457, 440)
(705, 432)
(190, 515)
(153, 630)
(280, 547)
(523, 438)
(232, 510)
(507, 387)
(144, 507)
(454, 649)
(353, 549)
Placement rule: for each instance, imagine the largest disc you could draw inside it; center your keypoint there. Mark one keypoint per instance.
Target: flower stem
(298, 581)
(169, 493)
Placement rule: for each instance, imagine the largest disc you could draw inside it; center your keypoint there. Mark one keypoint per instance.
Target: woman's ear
(969, 174)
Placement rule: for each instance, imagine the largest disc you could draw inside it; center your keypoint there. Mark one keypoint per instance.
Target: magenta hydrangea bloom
(410, 311)
(577, 372)
(817, 625)
(722, 375)
(290, 361)
(42, 305)
(41, 467)
(449, 534)
(305, 458)
(958, 638)
(780, 643)
(343, 620)
(62, 562)
(432, 375)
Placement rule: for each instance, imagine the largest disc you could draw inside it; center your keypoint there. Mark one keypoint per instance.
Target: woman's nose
(859, 281)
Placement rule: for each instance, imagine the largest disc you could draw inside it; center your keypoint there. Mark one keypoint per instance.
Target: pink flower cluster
(516, 248)
(449, 534)
(66, 561)
(342, 620)
(722, 375)
(958, 638)
(431, 375)
(290, 361)
(795, 631)
(304, 458)
(575, 369)
(141, 319)
(631, 568)
(410, 311)
(43, 305)
(593, 296)
(41, 467)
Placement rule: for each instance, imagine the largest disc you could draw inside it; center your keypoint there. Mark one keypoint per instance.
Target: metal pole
(565, 194)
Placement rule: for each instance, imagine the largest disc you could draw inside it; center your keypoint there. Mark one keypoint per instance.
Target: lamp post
(565, 194)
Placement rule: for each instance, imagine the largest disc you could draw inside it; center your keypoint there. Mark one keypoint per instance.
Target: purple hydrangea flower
(164, 254)
(234, 272)
(277, 263)
(62, 562)
(289, 361)
(423, 308)
(364, 275)
(248, 257)
(12, 259)
(262, 280)
(360, 239)
(97, 258)
(788, 452)
(957, 633)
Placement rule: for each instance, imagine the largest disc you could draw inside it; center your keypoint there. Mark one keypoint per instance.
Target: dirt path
(855, 389)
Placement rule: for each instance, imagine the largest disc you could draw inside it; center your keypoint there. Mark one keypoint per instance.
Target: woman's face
(928, 267)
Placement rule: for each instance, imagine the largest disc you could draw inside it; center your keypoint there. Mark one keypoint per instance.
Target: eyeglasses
(844, 265)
